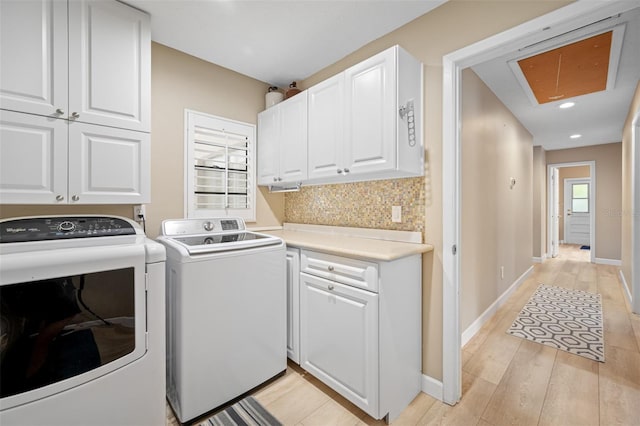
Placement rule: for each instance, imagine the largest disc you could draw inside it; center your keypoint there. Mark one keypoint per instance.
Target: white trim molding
(540, 259)
(625, 287)
(613, 262)
(432, 387)
(491, 310)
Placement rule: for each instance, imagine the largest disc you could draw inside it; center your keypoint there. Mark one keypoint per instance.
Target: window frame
(194, 118)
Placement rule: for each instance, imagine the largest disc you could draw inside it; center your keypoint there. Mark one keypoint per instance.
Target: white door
(33, 159)
(370, 114)
(109, 64)
(577, 217)
(555, 216)
(108, 165)
(268, 146)
(293, 139)
(326, 127)
(339, 338)
(33, 57)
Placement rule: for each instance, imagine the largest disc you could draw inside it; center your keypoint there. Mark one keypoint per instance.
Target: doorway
(560, 214)
(553, 24)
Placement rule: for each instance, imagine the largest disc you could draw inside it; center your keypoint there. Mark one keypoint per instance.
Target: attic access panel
(571, 70)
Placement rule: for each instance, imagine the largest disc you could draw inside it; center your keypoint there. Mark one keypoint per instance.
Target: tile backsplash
(360, 204)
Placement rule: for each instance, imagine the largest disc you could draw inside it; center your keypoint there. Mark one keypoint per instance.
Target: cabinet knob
(339, 171)
(275, 179)
(346, 170)
(330, 268)
(330, 287)
(75, 115)
(279, 179)
(60, 111)
(59, 198)
(75, 198)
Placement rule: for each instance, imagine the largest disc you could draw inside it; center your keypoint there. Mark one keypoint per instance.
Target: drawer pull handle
(330, 286)
(330, 268)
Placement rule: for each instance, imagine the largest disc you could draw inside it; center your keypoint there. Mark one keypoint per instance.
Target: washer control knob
(66, 226)
(208, 226)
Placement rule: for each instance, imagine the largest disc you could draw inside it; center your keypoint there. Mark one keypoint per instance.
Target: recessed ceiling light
(567, 105)
(576, 136)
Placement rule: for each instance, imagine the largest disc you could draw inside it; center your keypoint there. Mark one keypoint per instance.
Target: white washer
(226, 312)
(83, 322)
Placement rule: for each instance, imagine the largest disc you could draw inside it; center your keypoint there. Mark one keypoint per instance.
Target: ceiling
(599, 117)
(276, 41)
(280, 41)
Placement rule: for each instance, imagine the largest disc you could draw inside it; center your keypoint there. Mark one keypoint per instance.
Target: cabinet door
(33, 56)
(109, 64)
(293, 138)
(371, 114)
(268, 146)
(108, 165)
(33, 159)
(326, 128)
(339, 339)
(293, 305)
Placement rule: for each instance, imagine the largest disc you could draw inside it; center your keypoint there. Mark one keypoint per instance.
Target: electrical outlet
(139, 213)
(396, 214)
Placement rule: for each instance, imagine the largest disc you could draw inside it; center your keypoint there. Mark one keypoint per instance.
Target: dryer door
(67, 317)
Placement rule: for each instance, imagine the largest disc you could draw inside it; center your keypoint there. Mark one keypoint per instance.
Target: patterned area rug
(569, 320)
(246, 412)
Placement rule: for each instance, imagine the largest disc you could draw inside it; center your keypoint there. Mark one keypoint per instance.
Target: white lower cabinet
(46, 160)
(360, 328)
(293, 304)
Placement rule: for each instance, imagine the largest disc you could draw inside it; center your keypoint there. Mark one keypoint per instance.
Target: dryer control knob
(208, 226)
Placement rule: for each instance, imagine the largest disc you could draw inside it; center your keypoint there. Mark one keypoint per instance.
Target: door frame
(555, 23)
(592, 203)
(635, 211)
(571, 181)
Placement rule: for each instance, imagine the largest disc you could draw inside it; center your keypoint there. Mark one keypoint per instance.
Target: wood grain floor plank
(520, 394)
(572, 396)
(620, 387)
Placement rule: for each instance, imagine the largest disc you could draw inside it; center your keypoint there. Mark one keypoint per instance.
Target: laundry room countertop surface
(347, 243)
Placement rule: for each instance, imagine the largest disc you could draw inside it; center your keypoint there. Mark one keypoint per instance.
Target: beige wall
(497, 219)
(539, 202)
(627, 213)
(567, 173)
(452, 26)
(178, 82)
(608, 159)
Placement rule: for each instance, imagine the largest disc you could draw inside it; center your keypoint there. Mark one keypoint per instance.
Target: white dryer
(82, 323)
(226, 312)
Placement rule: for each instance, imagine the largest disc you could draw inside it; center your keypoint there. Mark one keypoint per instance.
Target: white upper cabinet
(109, 49)
(33, 66)
(282, 142)
(371, 106)
(86, 61)
(366, 122)
(326, 128)
(75, 102)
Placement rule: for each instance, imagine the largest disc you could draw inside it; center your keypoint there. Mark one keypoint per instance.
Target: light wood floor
(507, 380)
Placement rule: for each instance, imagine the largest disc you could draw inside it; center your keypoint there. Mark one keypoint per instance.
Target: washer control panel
(56, 228)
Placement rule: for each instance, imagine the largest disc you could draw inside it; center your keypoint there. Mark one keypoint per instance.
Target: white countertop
(338, 243)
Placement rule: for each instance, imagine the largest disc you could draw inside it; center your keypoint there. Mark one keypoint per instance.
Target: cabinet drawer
(358, 273)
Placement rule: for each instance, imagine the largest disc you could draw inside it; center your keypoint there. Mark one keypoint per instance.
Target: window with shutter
(220, 167)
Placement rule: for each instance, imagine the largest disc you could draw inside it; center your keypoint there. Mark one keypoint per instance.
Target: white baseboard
(488, 313)
(432, 387)
(613, 262)
(539, 259)
(625, 287)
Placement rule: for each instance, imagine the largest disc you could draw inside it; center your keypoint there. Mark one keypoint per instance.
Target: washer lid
(210, 243)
